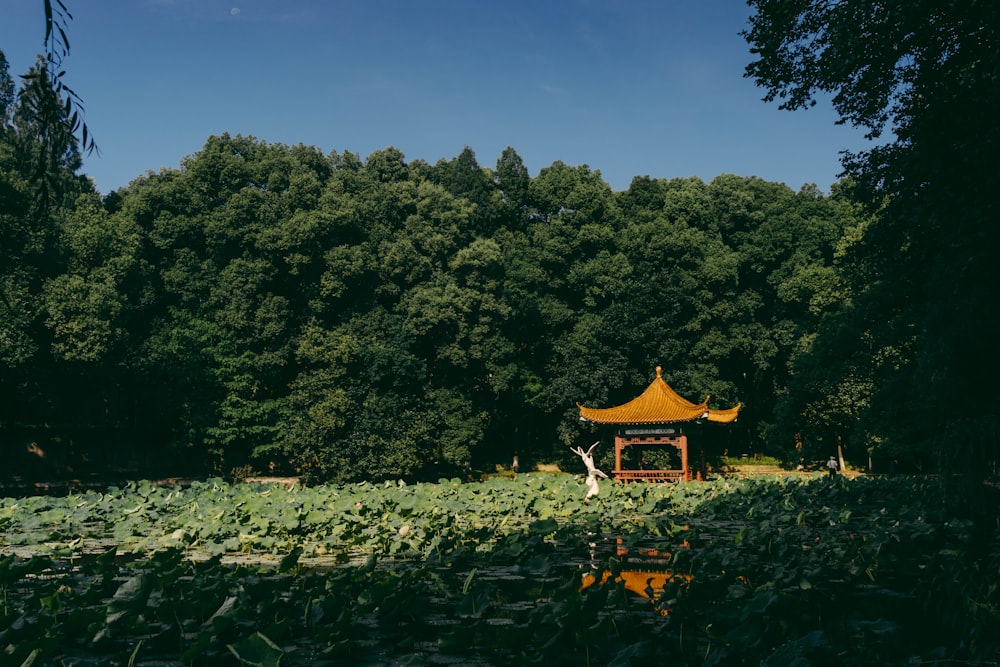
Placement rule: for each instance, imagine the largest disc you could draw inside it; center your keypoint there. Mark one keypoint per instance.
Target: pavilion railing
(651, 476)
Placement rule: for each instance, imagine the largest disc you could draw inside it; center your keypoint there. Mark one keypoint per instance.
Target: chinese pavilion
(655, 418)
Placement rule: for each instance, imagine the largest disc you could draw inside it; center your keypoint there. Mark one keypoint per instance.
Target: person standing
(832, 466)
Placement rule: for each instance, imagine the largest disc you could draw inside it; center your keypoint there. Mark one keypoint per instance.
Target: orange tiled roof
(725, 416)
(659, 404)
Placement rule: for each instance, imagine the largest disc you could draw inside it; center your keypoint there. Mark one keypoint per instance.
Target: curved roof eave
(658, 404)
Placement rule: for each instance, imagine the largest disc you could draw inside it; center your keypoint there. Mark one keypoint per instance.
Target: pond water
(481, 609)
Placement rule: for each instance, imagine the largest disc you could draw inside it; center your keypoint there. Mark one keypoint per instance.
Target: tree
(512, 181)
(38, 156)
(47, 152)
(20, 240)
(785, 244)
(89, 302)
(463, 177)
(56, 43)
(60, 309)
(930, 73)
(242, 274)
(7, 95)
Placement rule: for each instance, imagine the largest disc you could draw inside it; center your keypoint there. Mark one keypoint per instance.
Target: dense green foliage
(783, 571)
(373, 319)
(910, 361)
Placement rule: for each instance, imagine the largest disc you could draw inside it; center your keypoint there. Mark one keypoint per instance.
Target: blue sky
(628, 87)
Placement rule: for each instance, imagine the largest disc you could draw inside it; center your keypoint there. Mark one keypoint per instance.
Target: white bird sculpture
(592, 471)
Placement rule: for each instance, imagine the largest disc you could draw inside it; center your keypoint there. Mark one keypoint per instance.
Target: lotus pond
(503, 572)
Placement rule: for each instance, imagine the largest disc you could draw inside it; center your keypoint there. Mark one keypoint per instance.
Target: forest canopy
(377, 318)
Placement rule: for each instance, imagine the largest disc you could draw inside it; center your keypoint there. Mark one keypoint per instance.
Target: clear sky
(627, 87)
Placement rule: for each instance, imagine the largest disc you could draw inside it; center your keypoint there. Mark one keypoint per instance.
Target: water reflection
(644, 571)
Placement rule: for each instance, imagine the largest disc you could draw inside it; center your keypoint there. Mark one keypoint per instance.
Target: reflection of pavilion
(644, 571)
(654, 418)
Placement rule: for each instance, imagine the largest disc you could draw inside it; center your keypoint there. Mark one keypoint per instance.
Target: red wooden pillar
(684, 457)
(619, 446)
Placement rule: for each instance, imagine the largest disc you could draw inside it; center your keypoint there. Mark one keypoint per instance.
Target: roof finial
(658, 371)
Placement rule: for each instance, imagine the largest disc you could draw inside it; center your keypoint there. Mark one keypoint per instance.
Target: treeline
(376, 318)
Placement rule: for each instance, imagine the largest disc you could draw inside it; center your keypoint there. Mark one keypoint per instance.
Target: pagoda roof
(659, 404)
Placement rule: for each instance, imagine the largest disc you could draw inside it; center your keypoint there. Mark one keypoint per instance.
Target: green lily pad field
(773, 571)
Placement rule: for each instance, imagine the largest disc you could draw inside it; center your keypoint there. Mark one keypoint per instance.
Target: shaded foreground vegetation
(866, 571)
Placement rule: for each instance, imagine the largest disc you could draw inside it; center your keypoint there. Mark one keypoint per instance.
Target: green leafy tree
(38, 158)
(46, 149)
(787, 279)
(7, 93)
(929, 73)
(21, 239)
(88, 304)
(463, 177)
(320, 406)
(237, 252)
(397, 388)
(674, 309)
(564, 270)
(512, 184)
